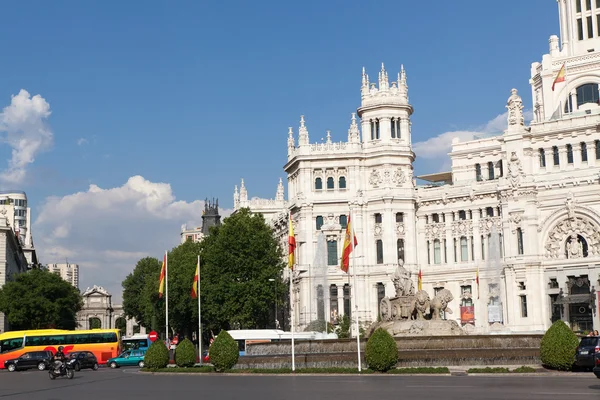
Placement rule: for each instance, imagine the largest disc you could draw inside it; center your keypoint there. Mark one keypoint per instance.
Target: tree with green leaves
(238, 259)
(140, 294)
(40, 299)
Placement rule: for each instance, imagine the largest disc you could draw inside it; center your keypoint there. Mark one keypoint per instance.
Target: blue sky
(197, 95)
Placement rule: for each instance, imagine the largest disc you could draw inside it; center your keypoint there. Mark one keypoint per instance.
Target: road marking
(439, 386)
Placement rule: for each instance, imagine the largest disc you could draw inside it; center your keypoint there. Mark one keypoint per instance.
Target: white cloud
(81, 141)
(106, 231)
(438, 147)
(24, 128)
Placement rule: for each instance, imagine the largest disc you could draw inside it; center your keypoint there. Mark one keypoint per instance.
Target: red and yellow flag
(195, 284)
(291, 243)
(348, 247)
(163, 272)
(560, 77)
(420, 280)
(477, 280)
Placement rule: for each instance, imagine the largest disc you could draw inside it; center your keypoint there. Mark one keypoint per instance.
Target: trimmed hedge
(157, 356)
(185, 354)
(224, 353)
(381, 352)
(558, 346)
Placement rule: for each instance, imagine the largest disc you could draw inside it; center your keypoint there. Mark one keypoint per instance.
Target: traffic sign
(175, 340)
(153, 336)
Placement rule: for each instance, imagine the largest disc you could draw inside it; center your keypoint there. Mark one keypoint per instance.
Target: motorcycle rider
(59, 359)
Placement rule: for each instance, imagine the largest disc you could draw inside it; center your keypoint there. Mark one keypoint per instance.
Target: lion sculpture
(440, 303)
(421, 304)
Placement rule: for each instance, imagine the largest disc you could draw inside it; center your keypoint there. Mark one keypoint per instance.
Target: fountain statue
(411, 313)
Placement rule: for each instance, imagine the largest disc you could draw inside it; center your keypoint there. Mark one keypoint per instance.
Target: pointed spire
(236, 198)
(364, 78)
(280, 191)
(328, 136)
(353, 134)
(291, 142)
(243, 193)
(383, 79)
(364, 90)
(302, 133)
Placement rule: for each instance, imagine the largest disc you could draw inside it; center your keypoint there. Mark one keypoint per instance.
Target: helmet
(60, 348)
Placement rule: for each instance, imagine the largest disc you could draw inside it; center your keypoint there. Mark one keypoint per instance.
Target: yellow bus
(104, 343)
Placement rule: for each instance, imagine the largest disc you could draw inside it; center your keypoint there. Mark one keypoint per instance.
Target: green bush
(381, 352)
(157, 356)
(557, 349)
(488, 370)
(420, 370)
(224, 353)
(523, 370)
(185, 354)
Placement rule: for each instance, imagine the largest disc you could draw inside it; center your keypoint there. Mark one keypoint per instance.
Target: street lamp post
(275, 286)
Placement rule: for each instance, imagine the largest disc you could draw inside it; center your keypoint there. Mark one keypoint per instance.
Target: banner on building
(494, 313)
(467, 314)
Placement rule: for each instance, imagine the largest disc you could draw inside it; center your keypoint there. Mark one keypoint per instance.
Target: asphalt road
(107, 384)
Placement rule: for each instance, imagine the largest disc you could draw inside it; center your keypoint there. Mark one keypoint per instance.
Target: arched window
(478, 176)
(597, 148)
(489, 211)
(347, 301)
(464, 249)
(542, 158)
(333, 304)
(379, 245)
(372, 129)
(437, 252)
(583, 148)
(377, 128)
(398, 135)
(587, 93)
(570, 154)
(342, 182)
(330, 184)
(319, 222)
(318, 184)
(393, 127)
(555, 157)
(343, 221)
(399, 217)
(491, 171)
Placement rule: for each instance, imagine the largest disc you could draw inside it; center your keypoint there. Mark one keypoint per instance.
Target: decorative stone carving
(563, 238)
(570, 203)
(375, 178)
(399, 177)
(378, 230)
(440, 303)
(435, 230)
(330, 224)
(515, 170)
(485, 225)
(515, 219)
(403, 281)
(462, 228)
(515, 109)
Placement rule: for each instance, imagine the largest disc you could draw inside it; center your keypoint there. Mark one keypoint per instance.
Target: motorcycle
(66, 369)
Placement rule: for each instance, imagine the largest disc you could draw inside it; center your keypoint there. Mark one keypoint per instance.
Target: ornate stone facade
(99, 312)
(506, 231)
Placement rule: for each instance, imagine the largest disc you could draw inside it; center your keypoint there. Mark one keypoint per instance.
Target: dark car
(84, 359)
(586, 351)
(32, 359)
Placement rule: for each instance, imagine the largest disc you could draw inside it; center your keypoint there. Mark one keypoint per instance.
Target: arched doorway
(95, 323)
(121, 324)
(579, 300)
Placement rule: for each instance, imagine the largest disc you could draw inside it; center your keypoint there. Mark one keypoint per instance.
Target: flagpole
(292, 316)
(167, 299)
(199, 315)
(354, 292)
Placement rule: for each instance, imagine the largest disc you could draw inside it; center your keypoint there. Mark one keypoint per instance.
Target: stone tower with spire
(210, 215)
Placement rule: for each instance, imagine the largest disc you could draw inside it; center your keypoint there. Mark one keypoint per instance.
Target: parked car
(586, 351)
(32, 359)
(129, 357)
(83, 360)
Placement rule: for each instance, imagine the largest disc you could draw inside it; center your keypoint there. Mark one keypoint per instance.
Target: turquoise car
(128, 358)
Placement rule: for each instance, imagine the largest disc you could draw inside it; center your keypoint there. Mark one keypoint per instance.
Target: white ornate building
(98, 312)
(521, 210)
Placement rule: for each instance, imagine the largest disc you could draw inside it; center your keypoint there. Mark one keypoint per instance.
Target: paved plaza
(107, 384)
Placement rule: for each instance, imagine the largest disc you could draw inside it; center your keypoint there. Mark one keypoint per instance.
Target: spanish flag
(163, 272)
(477, 280)
(348, 247)
(420, 280)
(561, 76)
(195, 284)
(291, 243)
